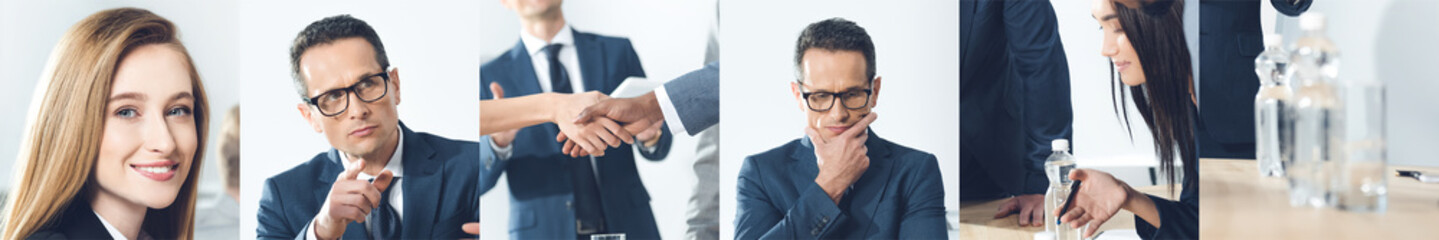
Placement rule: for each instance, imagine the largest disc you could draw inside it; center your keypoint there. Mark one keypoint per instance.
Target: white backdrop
(917, 54)
(669, 37)
(432, 44)
(32, 28)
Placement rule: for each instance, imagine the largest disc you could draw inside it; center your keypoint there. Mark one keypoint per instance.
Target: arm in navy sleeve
(1040, 69)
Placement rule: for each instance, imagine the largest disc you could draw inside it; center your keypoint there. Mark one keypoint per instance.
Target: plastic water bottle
(1273, 134)
(1057, 168)
(1318, 115)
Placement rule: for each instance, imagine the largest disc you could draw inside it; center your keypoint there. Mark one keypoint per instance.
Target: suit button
(824, 220)
(814, 232)
(569, 204)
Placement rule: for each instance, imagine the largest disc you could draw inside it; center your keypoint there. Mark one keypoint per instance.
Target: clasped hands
(591, 122)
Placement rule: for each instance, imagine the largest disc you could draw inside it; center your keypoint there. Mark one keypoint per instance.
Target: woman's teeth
(154, 169)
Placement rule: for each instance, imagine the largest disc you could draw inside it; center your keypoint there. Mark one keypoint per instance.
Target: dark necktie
(589, 214)
(559, 78)
(384, 222)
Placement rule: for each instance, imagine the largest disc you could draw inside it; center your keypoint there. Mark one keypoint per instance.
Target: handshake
(592, 122)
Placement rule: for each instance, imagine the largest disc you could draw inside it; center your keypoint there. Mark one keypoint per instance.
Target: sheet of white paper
(634, 87)
(1118, 234)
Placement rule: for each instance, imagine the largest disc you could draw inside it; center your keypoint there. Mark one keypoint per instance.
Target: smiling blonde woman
(115, 135)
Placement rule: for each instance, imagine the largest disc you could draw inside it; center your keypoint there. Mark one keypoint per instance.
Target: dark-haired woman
(1149, 53)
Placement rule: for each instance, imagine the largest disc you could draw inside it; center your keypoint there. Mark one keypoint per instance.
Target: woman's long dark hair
(1164, 100)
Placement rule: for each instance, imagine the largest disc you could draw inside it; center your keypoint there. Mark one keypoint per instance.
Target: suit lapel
(869, 190)
(421, 185)
(591, 61)
(805, 166)
(523, 71)
(328, 173)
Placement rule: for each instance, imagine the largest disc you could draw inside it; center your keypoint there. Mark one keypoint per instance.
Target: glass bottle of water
(1361, 184)
(1317, 113)
(1057, 168)
(1273, 135)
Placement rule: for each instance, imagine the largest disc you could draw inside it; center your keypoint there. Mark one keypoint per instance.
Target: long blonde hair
(66, 122)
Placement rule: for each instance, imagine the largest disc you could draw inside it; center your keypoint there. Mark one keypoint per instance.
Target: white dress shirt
(540, 59)
(667, 108)
(115, 233)
(396, 166)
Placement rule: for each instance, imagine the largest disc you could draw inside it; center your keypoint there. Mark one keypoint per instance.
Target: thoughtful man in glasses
(840, 181)
(381, 180)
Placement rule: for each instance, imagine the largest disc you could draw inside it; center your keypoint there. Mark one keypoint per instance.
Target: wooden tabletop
(976, 219)
(1236, 203)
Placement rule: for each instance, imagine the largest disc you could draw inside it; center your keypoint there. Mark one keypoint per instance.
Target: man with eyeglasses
(841, 181)
(380, 180)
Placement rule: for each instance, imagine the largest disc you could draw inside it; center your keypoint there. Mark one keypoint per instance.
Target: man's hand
(570, 106)
(646, 132)
(842, 159)
(350, 200)
(624, 110)
(639, 115)
(502, 139)
(603, 133)
(1030, 208)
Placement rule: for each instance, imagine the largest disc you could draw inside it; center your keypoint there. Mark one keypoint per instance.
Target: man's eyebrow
(367, 75)
(1107, 17)
(855, 88)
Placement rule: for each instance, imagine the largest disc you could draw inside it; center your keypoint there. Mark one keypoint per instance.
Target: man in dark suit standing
(381, 180)
(1014, 100)
(1230, 37)
(555, 196)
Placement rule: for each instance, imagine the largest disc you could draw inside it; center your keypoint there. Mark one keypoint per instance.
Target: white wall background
(1392, 41)
(32, 28)
(917, 54)
(433, 45)
(669, 37)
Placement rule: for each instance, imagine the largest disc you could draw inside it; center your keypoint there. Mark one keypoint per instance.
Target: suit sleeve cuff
(815, 212)
(667, 107)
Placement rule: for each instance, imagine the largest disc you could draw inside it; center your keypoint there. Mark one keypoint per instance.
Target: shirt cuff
(647, 149)
(667, 107)
(310, 231)
(502, 153)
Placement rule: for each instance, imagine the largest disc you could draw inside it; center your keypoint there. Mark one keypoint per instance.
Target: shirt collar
(395, 165)
(534, 45)
(115, 233)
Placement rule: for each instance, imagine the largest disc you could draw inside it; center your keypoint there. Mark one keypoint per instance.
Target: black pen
(1068, 201)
